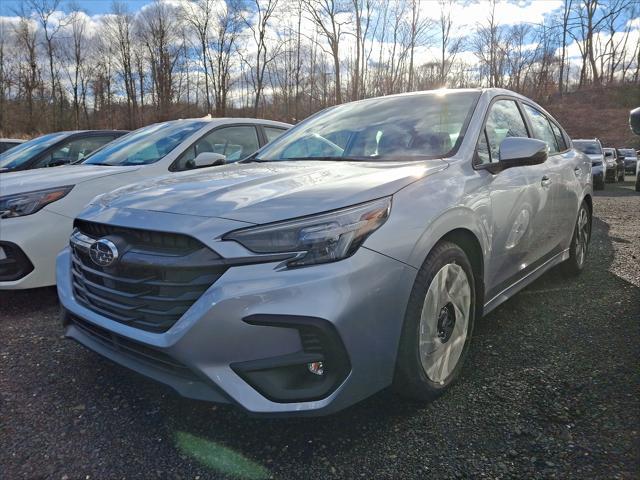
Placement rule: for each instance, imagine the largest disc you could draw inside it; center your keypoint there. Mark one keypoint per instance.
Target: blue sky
(8, 7)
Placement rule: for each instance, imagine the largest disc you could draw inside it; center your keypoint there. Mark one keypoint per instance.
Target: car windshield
(405, 127)
(590, 148)
(24, 152)
(145, 145)
(628, 152)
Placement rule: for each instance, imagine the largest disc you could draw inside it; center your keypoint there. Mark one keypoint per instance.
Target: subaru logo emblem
(103, 252)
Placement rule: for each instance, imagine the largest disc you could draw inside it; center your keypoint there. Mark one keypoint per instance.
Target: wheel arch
(470, 244)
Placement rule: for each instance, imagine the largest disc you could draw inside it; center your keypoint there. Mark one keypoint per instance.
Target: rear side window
(562, 144)
(542, 128)
(272, 133)
(504, 120)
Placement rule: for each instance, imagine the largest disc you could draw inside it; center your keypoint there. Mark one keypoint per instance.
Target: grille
(130, 348)
(154, 281)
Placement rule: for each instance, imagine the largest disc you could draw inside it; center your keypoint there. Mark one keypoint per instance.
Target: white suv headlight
(21, 204)
(322, 238)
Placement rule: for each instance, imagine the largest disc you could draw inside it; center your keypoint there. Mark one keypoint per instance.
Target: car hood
(267, 192)
(41, 178)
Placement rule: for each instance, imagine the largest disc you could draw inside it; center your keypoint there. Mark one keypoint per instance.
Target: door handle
(545, 182)
(577, 171)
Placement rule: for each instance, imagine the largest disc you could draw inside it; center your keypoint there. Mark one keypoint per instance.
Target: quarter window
(542, 128)
(504, 120)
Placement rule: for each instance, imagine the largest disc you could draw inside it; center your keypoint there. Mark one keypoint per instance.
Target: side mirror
(519, 152)
(634, 120)
(209, 159)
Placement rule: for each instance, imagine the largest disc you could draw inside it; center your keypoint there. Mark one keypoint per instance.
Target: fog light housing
(298, 376)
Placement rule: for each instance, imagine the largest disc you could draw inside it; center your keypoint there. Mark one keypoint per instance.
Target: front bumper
(39, 238)
(362, 299)
(597, 174)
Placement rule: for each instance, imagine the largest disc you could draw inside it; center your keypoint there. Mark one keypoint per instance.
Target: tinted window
(234, 142)
(26, 151)
(562, 144)
(73, 151)
(146, 145)
(504, 120)
(588, 147)
(272, 133)
(542, 128)
(405, 127)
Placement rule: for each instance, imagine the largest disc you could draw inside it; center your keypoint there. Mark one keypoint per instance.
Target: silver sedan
(354, 252)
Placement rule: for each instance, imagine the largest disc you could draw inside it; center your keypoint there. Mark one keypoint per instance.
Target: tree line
(286, 59)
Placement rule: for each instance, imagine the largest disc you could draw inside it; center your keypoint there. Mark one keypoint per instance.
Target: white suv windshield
(407, 127)
(145, 145)
(589, 148)
(24, 152)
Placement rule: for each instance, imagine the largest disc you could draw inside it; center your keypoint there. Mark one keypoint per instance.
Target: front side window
(395, 128)
(235, 143)
(146, 145)
(542, 128)
(504, 120)
(25, 152)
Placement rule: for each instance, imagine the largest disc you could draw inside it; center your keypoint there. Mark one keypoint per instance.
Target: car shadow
(27, 302)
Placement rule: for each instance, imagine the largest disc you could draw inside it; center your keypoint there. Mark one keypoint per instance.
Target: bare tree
(449, 45)
(329, 17)
(159, 31)
(257, 21)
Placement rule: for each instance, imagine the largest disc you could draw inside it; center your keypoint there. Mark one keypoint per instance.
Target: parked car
(620, 165)
(593, 149)
(55, 149)
(7, 143)
(37, 207)
(354, 252)
(610, 160)
(630, 160)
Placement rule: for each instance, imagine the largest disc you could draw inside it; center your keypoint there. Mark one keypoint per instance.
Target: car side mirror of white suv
(209, 159)
(520, 151)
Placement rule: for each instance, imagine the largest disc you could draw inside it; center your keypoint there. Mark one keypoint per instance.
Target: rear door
(564, 169)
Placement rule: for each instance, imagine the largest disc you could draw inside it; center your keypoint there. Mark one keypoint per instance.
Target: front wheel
(579, 243)
(438, 325)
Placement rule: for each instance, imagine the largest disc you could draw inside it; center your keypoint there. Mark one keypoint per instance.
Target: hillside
(598, 113)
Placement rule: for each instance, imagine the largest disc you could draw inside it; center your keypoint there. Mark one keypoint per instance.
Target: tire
(422, 375)
(579, 242)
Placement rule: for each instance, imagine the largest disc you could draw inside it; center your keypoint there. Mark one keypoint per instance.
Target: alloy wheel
(444, 322)
(582, 236)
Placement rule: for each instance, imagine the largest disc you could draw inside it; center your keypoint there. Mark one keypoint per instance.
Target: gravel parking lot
(551, 389)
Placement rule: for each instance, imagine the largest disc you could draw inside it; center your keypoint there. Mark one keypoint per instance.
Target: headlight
(27, 203)
(320, 238)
